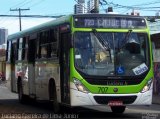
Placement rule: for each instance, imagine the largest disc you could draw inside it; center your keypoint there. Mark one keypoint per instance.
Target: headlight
(80, 86)
(147, 86)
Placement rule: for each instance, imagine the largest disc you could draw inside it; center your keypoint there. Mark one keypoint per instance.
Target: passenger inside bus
(130, 56)
(133, 47)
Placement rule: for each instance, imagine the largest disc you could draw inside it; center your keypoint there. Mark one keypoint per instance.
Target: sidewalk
(156, 99)
(3, 83)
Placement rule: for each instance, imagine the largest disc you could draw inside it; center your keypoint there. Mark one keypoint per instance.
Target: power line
(27, 2)
(37, 3)
(22, 2)
(138, 6)
(149, 3)
(34, 16)
(19, 4)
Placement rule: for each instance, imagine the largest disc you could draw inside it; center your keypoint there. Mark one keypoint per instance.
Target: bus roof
(40, 27)
(104, 15)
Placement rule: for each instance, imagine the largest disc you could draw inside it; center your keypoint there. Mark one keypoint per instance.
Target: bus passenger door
(64, 66)
(13, 69)
(31, 67)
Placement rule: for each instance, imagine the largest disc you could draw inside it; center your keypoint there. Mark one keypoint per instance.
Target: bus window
(20, 44)
(31, 50)
(14, 51)
(25, 48)
(47, 45)
(83, 48)
(43, 44)
(43, 51)
(52, 49)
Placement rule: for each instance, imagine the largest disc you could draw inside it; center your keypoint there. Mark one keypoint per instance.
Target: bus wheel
(53, 97)
(118, 109)
(20, 92)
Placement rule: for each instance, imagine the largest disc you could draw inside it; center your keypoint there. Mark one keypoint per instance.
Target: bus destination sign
(109, 22)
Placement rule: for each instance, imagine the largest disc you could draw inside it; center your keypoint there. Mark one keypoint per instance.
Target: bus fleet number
(103, 89)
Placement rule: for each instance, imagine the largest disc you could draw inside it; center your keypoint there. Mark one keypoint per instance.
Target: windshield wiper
(101, 40)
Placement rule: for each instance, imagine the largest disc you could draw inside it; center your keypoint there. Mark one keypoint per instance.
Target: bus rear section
(111, 62)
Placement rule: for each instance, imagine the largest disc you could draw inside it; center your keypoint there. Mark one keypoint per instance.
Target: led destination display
(109, 22)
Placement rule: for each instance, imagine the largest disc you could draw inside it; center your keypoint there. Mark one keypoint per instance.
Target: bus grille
(106, 99)
(113, 82)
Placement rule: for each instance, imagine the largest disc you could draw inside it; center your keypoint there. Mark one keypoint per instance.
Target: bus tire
(21, 96)
(53, 97)
(118, 109)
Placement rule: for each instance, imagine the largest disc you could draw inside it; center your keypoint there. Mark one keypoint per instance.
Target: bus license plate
(115, 103)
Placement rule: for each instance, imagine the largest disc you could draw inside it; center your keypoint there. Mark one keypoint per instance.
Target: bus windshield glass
(111, 53)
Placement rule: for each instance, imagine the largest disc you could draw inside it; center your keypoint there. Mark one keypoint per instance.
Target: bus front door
(64, 67)
(13, 68)
(31, 67)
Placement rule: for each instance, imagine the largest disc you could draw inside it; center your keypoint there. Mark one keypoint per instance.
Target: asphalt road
(10, 108)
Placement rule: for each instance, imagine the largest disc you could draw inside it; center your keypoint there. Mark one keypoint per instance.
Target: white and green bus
(83, 60)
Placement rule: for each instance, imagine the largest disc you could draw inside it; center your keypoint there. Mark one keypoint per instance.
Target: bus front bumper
(79, 98)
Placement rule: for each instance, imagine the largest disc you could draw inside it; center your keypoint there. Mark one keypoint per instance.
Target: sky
(63, 7)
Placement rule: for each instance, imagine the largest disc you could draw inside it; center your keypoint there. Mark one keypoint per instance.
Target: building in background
(157, 13)
(90, 5)
(3, 41)
(80, 8)
(93, 6)
(135, 12)
(3, 35)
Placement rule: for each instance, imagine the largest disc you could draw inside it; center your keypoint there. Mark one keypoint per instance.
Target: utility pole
(20, 26)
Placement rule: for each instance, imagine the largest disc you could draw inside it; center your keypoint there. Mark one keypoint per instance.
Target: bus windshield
(111, 53)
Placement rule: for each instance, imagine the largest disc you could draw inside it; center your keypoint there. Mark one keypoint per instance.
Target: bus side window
(38, 46)
(31, 48)
(25, 48)
(19, 48)
(47, 44)
(14, 51)
(52, 45)
(44, 44)
(22, 49)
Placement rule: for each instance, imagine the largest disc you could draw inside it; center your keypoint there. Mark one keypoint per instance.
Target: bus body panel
(45, 71)
(31, 79)
(13, 79)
